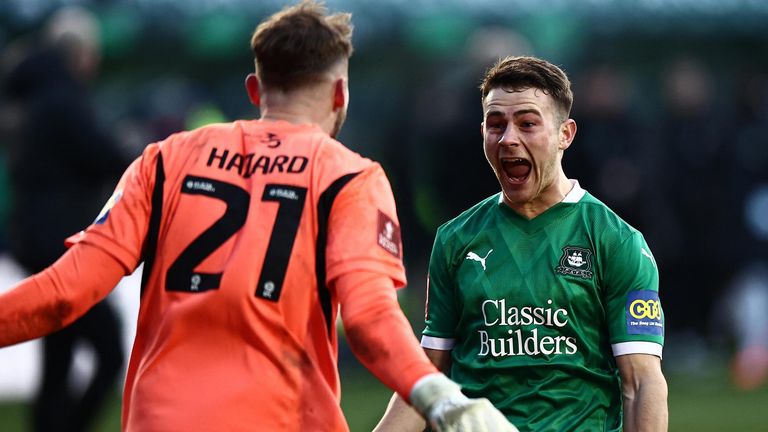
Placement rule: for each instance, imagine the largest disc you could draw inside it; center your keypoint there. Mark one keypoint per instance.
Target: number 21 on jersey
(182, 277)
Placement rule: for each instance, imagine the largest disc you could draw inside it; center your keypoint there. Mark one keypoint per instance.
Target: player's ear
(252, 88)
(567, 133)
(339, 94)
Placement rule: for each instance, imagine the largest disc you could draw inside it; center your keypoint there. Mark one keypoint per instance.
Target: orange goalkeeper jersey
(242, 228)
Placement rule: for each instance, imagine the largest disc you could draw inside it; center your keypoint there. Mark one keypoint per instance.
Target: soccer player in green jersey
(540, 297)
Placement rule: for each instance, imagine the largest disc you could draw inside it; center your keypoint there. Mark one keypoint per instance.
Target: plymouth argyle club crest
(576, 261)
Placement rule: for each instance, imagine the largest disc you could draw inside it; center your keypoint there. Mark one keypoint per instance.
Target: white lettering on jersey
(522, 339)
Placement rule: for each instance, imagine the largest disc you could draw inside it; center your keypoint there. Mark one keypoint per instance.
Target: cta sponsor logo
(644, 314)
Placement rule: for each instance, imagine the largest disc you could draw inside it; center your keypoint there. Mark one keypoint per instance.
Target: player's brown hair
(295, 46)
(520, 73)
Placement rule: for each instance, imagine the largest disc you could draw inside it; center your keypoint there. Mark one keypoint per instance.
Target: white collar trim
(574, 196)
(576, 193)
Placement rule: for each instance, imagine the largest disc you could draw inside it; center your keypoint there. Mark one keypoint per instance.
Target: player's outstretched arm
(645, 393)
(382, 339)
(477, 414)
(57, 296)
(399, 416)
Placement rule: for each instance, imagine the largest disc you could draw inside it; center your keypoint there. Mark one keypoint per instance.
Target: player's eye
(494, 127)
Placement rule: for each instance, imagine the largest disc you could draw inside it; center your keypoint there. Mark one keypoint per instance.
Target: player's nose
(510, 137)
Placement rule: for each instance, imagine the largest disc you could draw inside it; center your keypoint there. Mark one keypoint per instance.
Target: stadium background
(671, 99)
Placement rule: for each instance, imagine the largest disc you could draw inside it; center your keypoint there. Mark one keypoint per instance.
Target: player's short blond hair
(524, 72)
(295, 46)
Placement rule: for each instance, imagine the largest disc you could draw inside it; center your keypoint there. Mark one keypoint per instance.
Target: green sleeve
(441, 314)
(631, 290)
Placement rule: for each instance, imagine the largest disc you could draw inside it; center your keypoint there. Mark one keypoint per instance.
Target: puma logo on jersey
(648, 254)
(475, 257)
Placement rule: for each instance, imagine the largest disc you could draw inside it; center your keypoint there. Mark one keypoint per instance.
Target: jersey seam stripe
(324, 204)
(153, 231)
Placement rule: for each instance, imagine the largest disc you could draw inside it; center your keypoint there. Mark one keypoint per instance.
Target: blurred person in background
(540, 297)
(254, 234)
(746, 296)
(62, 162)
(613, 147)
(697, 246)
(746, 304)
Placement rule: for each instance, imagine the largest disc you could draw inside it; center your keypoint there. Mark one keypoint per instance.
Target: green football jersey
(534, 311)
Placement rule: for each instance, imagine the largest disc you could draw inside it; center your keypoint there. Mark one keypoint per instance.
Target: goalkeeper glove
(442, 404)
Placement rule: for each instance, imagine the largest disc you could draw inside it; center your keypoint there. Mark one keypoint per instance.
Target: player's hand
(446, 409)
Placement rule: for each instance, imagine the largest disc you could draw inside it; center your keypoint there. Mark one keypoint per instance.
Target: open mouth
(516, 169)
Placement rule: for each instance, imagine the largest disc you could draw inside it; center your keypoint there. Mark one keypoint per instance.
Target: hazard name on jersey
(521, 340)
(249, 164)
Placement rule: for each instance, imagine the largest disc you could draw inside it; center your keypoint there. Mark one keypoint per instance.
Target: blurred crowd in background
(671, 102)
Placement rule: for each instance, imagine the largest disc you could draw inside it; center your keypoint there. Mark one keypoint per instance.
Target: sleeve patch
(644, 315)
(388, 235)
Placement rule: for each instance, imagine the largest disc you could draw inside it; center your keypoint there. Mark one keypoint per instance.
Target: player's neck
(307, 106)
(290, 117)
(551, 195)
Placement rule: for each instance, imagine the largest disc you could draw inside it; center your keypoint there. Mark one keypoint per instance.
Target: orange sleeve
(378, 332)
(57, 296)
(365, 232)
